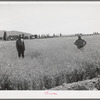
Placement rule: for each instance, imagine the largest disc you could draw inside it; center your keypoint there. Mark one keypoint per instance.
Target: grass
(48, 63)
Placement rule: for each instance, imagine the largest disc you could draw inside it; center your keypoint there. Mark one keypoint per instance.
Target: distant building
(43, 36)
(1, 38)
(12, 37)
(79, 34)
(47, 36)
(96, 33)
(26, 37)
(33, 36)
(39, 36)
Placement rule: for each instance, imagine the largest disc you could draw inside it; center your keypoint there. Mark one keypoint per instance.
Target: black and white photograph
(50, 46)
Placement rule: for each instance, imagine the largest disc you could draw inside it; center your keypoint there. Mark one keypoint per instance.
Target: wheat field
(48, 63)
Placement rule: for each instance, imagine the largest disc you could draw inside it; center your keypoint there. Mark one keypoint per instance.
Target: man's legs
(82, 49)
(19, 54)
(22, 54)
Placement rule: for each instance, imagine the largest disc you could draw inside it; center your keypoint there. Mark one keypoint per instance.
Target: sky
(50, 17)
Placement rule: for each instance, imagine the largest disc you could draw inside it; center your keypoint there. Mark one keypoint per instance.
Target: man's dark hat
(79, 36)
(20, 35)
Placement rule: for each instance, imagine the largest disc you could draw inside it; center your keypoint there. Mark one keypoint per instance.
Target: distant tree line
(35, 36)
(24, 36)
(94, 33)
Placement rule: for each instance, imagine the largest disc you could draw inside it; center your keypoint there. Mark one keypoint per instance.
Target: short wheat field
(48, 63)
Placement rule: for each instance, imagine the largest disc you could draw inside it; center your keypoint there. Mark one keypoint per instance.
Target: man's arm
(75, 42)
(16, 45)
(23, 45)
(85, 42)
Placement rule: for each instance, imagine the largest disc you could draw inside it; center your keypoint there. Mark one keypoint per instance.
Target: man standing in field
(20, 46)
(80, 43)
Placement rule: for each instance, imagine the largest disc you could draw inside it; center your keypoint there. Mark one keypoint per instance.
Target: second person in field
(80, 43)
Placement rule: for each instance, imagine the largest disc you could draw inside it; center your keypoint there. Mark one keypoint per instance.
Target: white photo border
(27, 94)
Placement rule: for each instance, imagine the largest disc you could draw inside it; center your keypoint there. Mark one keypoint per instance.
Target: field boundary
(93, 84)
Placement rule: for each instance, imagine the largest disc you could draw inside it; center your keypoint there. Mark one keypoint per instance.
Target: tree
(23, 36)
(60, 34)
(54, 35)
(39, 36)
(5, 36)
